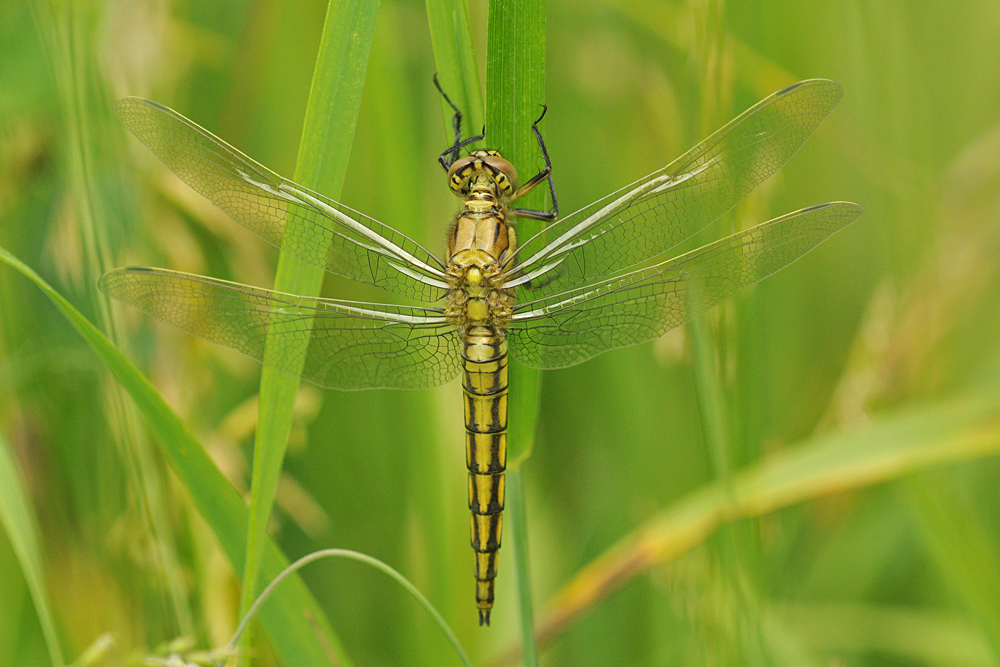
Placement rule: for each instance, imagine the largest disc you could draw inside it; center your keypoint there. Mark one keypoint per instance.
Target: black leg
(545, 173)
(448, 157)
(548, 216)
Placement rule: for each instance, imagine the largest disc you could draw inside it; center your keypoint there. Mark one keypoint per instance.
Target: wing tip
(846, 212)
(106, 282)
(125, 106)
(846, 205)
(828, 87)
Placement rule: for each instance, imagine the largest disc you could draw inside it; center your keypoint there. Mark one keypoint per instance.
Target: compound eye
(458, 175)
(506, 177)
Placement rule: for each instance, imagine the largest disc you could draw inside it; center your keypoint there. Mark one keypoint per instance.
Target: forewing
(571, 327)
(350, 345)
(657, 212)
(326, 234)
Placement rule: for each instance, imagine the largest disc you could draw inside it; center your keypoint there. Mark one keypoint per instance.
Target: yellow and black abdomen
(484, 357)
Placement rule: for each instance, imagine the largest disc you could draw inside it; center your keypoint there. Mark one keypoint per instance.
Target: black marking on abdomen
(484, 359)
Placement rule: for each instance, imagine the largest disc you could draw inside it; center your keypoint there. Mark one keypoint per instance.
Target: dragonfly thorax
(482, 308)
(475, 299)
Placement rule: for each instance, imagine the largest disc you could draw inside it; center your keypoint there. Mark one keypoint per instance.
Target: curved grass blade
(363, 558)
(296, 625)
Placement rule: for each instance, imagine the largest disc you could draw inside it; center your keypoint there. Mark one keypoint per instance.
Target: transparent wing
(659, 211)
(565, 329)
(327, 234)
(350, 345)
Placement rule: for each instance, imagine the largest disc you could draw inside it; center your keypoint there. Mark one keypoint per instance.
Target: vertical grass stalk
(515, 91)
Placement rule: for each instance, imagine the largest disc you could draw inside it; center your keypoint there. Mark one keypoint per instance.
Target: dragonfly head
(482, 169)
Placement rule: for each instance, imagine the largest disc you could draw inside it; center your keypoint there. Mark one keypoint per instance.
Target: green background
(893, 319)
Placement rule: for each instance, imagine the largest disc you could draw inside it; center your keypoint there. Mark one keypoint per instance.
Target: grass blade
(19, 520)
(515, 91)
(69, 34)
(295, 623)
(455, 60)
(327, 134)
(362, 558)
(734, 550)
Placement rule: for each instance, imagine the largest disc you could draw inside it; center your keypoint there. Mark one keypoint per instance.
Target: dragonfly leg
(544, 174)
(448, 157)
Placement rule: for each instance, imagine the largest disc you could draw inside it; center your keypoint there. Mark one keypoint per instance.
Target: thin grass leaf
(19, 521)
(735, 552)
(959, 429)
(327, 134)
(296, 625)
(362, 558)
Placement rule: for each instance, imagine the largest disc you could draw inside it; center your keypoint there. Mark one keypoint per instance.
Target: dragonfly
(595, 280)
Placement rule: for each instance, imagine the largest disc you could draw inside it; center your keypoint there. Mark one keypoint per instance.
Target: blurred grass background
(895, 316)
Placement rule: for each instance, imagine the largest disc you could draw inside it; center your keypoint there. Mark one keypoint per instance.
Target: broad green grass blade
(361, 558)
(515, 91)
(458, 75)
(295, 624)
(327, 134)
(455, 60)
(19, 521)
(959, 429)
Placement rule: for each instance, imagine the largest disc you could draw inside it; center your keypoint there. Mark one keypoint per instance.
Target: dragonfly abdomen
(484, 357)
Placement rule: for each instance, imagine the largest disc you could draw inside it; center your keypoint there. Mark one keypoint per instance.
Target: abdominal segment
(485, 392)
